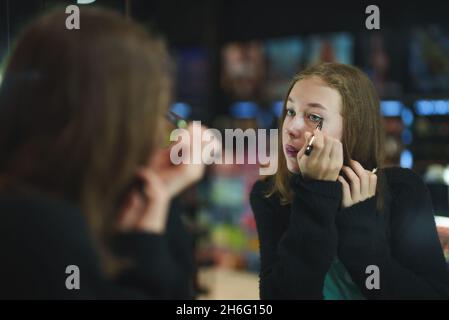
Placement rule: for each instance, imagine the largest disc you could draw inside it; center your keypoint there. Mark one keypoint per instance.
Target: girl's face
(310, 100)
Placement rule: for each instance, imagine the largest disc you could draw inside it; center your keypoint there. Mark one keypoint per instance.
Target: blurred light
(423, 107)
(264, 119)
(442, 107)
(244, 110)
(407, 137)
(391, 108)
(182, 109)
(432, 107)
(406, 159)
(277, 108)
(446, 175)
(407, 117)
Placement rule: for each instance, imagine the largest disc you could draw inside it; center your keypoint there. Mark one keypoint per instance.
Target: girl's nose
(296, 127)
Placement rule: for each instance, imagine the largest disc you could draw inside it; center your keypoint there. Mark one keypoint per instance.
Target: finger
(346, 197)
(130, 213)
(322, 158)
(363, 177)
(328, 143)
(154, 212)
(336, 155)
(307, 137)
(144, 174)
(372, 184)
(152, 182)
(354, 182)
(318, 144)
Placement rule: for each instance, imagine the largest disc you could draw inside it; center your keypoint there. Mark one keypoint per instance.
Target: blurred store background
(233, 63)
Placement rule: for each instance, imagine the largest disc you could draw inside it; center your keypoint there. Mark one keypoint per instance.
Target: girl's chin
(293, 168)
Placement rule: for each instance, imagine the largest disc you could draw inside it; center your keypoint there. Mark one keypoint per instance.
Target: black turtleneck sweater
(299, 241)
(41, 236)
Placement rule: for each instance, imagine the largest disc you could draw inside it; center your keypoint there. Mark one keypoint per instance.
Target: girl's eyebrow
(316, 105)
(311, 104)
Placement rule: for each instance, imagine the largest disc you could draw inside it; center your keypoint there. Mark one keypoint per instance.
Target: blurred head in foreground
(80, 110)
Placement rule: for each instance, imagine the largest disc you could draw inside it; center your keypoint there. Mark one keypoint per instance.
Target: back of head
(80, 109)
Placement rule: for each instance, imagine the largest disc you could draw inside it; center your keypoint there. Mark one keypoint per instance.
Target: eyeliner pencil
(309, 147)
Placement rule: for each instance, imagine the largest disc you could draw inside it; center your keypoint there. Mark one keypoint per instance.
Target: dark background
(202, 21)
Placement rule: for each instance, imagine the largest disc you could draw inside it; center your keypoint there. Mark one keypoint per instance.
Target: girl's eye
(314, 117)
(290, 112)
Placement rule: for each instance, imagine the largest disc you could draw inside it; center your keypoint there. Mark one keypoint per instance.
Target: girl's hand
(180, 176)
(147, 211)
(359, 185)
(176, 178)
(326, 159)
(161, 181)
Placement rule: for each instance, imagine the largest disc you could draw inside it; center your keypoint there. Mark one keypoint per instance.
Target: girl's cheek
(285, 125)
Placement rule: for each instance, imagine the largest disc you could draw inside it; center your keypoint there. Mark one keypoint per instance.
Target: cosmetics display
(431, 132)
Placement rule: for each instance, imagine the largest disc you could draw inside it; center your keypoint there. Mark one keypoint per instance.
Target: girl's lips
(291, 151)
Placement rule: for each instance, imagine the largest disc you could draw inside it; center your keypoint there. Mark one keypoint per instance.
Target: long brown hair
(80, 110)
(363, 131)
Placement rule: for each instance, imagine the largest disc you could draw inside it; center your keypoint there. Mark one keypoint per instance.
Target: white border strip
(442, 221)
